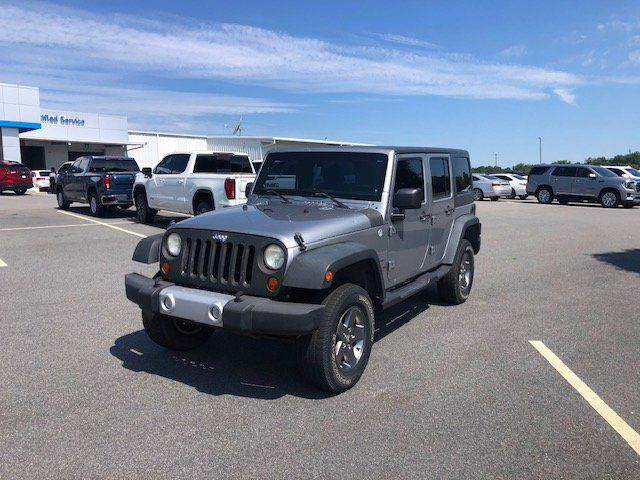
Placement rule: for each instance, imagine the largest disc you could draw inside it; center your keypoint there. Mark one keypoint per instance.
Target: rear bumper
(117, 199)
(246, 314)
(15, 186)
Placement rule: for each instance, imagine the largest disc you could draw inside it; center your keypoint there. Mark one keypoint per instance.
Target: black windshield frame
(349, 172)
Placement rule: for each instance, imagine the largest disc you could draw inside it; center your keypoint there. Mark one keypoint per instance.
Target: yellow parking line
(103, 224)
(619, 425)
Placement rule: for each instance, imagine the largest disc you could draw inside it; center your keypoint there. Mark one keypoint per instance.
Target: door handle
(449, 211)
(180, 181)
(424, 217)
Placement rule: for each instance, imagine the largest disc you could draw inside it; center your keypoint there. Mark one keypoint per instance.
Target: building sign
(61, 120)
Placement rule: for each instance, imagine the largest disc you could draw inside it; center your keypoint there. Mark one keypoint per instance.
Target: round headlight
(174, 244)
(274, 257)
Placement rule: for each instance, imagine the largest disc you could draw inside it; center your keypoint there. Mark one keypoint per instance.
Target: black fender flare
(204, 193)
(460, 227)
(308, 269)
(148, 249)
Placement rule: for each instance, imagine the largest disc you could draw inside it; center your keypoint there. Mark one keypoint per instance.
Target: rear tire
(97, 209)
(144, 213)
(544, 195)
(20, 191)
(455, 287)
(609, 199)
(478, 195)
(63, 203)
(174, 333)
(203, 206)
(336, 354)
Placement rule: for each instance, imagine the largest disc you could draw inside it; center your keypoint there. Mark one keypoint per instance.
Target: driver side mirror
(408, 198)
(146, 171)
(593, 176)
(248, 189)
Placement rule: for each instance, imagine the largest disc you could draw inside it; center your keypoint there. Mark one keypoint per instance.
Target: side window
(179, 163)
(209, 164)
(564, 172)
(409, 174)
(617, 171)
(440, 178)
(76, 167)
(583, 172)
(164, 167)
(462, 174)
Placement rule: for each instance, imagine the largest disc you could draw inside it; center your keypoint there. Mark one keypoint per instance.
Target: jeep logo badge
(219, 237)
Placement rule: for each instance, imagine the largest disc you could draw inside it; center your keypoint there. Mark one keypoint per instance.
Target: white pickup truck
(192, 183)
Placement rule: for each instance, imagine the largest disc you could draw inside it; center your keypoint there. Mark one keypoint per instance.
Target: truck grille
(218, 262)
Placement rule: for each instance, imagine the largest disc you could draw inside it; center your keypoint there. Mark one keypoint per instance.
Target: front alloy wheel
(350, 337)
(609, 199)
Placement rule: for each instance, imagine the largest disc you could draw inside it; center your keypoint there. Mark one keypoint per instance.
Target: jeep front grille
(222, 263)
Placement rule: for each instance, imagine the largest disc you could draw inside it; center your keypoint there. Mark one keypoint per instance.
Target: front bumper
(243, 314)
(117, 199)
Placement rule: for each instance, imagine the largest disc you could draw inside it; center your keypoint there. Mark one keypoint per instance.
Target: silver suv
(582, 183)
(327, 237)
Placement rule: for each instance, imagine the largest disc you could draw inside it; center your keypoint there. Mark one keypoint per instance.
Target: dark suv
(99, 181)
(328, 236)
(582, 183)
(16, 177)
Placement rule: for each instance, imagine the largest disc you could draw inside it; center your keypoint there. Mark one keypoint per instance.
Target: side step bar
(402, 293)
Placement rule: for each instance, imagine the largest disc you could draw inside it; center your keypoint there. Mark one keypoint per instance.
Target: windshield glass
(633, 172)
(603, 172)
(100, 166)
(351, 175)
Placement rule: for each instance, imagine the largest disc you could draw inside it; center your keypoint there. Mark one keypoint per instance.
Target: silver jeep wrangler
(327, 237)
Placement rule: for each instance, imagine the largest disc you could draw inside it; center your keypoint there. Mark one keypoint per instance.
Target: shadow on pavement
(628, 260)
(263, 368)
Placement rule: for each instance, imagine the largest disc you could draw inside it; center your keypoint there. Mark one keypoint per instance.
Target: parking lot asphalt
(450, 392)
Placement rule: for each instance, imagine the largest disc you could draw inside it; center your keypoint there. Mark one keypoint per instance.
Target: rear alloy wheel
(63, 204)
(544, 195)
(609, 199)
(97, 209)
(477, 194)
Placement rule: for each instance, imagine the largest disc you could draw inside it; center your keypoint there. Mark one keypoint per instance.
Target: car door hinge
(391, 265)
(392, 230)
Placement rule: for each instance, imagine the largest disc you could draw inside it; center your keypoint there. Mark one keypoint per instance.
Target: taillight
(495, 184)
(230, 188)
(107, 182)
(3, 172)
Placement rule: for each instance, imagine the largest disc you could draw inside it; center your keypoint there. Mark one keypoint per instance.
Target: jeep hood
(313, 220)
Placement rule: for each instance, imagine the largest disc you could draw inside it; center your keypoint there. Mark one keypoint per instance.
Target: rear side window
(617, 171)
(440, 178)
(564, 172)
(409, 174)
(462, 173)
(222, 164)
(538, 170)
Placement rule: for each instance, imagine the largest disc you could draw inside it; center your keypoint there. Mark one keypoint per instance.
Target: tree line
(632, 159)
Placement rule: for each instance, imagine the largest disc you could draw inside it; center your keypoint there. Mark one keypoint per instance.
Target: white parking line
(612, 418)
(2, 264)
(58, 226)
(103, 224)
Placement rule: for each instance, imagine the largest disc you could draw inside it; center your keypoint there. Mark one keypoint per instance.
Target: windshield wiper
(332, 198)
(275, 192)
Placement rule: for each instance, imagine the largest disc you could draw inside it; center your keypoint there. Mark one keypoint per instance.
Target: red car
(15, 176)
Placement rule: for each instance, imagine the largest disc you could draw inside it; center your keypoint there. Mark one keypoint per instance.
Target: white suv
(192, 183)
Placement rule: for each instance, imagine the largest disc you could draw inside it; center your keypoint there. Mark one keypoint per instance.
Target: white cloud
(567, 96)
(410, 41)
(635, 57)
(514, 51)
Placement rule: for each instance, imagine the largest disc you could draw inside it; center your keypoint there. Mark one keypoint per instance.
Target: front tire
(336, 354)
(455, 287)
(144, 213)
(609, 199)
(63, 203)
(174, 333)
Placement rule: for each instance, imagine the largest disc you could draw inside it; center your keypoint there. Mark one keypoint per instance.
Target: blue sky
(490, 77)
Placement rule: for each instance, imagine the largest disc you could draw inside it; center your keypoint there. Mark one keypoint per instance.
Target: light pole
(540, 147)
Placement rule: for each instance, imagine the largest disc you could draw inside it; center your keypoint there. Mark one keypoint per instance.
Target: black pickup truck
(99, 181)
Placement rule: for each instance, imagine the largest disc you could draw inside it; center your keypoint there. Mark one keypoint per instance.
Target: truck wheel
(609, 199)
(336, 354)
(477, 194)
(203, 206)
(544, 195)
(455, 286)
(97, 209)
(143, 212)
(63, 203)
(174, 333)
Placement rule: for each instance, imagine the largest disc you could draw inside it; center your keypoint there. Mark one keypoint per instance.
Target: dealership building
(44, 138)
